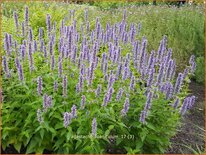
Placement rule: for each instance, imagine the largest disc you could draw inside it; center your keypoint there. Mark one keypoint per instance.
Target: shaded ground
(190, 137)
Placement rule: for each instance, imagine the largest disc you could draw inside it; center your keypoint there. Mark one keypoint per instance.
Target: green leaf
(17, 146)
(39, 150)
(69, 134)
(42, 133)
(59, 125)
(79, 142)
(143, 134)
(31, 146)
(118, 141)
(151, 126)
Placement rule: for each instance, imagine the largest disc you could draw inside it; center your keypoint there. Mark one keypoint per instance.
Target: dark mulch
(190, 136)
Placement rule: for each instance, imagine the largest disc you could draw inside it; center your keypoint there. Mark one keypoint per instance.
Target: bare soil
(191, 135)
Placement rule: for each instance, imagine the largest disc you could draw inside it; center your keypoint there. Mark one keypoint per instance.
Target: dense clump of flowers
(94, 127)
(96, 62)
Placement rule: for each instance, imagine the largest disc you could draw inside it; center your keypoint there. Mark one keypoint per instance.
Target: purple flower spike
(35, 45)
(125, 74)
(45, 52)
(160, 74)
(67, 119)
(60, 67)
(51, 50)
(191, 101)
(52, 62)
(17, 63)
(132, 83)
(178, 83)
(21, 73)
(176, 103)
(119, 70)
(48, 23)
(83, 101)
(151, 77)
(98, 90)
(110, 92)
(7, 44)
(5, 67)
(26, 16)
(111, 81)
(47, 101)
(126, 107)
(30, 55)
(30, 35)
(186, 70)
(39, 116)
(74, 111)
(169, 90)
(40, 34)
(23, 29)
(139, 28)
(94, 127)
(105, 102)
(16, 21)
(119, 94)
(64, 85)
(148, 102)
(143, 116)
(41, 45)
(184, 106)
(39, 85)
(55, 86)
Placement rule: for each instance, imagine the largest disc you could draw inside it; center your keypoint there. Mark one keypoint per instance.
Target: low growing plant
(77, 89)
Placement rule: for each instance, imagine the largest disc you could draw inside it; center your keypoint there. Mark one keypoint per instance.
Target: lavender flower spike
(16, 21)
(31, 65)
(178, 83)
(55, 86)
(74, 111)
(132, 83)
(184, 106)
(83, 100)
(26, 17)
(94, 127)
(98, 90)
(48, 23)
(52, 62)
(143, 115)
(20, 72)
(64, 85)
(119, 94)
(39, 85)
(67, 119)
(126, 107)
(39, 116)
(176, 103)
(5, 66)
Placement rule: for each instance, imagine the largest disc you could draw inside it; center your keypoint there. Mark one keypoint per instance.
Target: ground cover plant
(75, 85)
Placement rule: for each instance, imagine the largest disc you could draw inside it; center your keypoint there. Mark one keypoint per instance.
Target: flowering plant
(74, 89)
